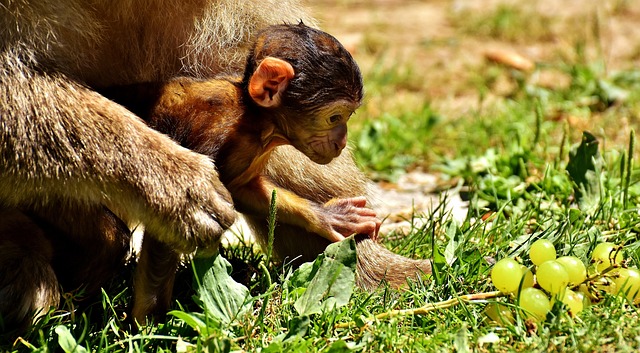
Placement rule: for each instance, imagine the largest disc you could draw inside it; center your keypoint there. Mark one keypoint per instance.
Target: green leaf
(439, 263)
(221, 296)
(339, 347)
(273, 347)
(191, 319)
(461, 342)
(217, 345)
(574, 215)
(330, 279)
(452, 247)
(582, 168)
(304, 274)
(67, 342)
(611, 93)
(297, 328)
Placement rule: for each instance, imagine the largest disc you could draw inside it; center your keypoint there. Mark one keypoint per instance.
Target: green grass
(521, 182)
(513, 23)
(511, 150)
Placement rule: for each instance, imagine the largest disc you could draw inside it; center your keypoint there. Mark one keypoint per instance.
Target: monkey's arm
(333, 220)
(60, 141)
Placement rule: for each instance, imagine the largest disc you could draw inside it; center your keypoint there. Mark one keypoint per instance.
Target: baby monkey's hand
(345, 217)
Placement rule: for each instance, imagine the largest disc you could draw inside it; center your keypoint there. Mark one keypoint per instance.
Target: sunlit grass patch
(513, 23)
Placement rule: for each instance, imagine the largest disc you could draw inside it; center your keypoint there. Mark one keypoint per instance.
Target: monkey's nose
(340, 144)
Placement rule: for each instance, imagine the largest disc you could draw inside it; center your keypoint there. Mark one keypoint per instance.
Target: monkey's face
(312, 119)
(322, 135)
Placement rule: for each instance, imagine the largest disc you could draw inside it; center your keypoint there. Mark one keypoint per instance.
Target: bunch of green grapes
(564, 279)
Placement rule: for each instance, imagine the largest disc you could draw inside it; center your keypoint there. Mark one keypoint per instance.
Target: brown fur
(153, 280)
(27, 251)
(375, 262)
(239, 122)
(66, 152)
(220, 118)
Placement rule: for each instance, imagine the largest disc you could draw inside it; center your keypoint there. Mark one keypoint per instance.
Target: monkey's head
(308, 84)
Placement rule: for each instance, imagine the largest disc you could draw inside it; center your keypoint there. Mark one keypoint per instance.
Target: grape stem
(467, 298)
(599, 275)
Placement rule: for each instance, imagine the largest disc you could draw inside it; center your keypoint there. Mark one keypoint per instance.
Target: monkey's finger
(358, 225)
(359, 201)
(365, 212)
(378, 225)
(369, 228)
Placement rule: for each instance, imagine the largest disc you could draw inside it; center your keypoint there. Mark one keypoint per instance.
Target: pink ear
(268, 82)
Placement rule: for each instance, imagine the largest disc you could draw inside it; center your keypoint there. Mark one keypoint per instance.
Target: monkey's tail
(376, 263)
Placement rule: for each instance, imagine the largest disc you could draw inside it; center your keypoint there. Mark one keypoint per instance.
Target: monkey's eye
(335, 118)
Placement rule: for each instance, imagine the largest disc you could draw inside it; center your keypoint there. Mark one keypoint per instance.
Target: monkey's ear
(268, 82)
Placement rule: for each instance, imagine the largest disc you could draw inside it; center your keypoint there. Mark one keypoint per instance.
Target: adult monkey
(67, 153)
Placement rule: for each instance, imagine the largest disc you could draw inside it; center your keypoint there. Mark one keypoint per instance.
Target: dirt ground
(434, 35)
(438, 39)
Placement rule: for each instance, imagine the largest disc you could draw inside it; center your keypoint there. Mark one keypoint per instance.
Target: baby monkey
(299, 88)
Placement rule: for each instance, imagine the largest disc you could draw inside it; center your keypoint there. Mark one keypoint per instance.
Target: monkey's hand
(190, 207)
(63, 142)
(345, 217)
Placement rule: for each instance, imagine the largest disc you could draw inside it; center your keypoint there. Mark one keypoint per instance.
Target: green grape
(583, 292)
(542, 250)
(499, 313)
(572, 300)
(628, 283)
(552, 276)
(527, 277)
(575, 269)
(534, 303)
(506, 275)
(605, 255)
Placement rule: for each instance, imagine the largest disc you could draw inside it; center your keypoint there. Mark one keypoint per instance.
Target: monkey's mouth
(323, 150)
(323, 158)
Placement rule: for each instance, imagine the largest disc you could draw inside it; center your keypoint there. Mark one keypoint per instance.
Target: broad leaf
(221, 296)
(67, 342)
(297, 328)
(340, 347)
(330, 279)
(439, 263)
(192, 319)
(584, 162)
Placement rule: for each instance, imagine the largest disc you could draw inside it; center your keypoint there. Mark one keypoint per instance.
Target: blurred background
(447, 79)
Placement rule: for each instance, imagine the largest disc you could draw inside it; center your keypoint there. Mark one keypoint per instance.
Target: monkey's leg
(90, 244)
(339, 179)
(153, 280)
(291, 170)
(28, 284)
